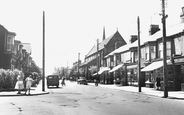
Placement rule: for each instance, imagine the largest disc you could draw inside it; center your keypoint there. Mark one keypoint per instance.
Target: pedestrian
(63, 82)
(19, 84)
(28, 81)
(96, 82)
(158, 82)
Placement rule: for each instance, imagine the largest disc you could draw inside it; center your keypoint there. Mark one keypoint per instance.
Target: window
(122, 57)
(136, 56)
(160, 50)
(153, 52)
(9, 43)
(147, 53)
(168, 49)
(143, 55)
(132, 57)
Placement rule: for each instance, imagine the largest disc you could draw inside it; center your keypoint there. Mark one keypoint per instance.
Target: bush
(8, 78)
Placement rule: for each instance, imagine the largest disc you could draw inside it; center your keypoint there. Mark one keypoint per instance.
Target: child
(19, 84)
(28, 81)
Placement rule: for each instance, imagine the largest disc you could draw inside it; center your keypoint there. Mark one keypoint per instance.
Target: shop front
(174, 71)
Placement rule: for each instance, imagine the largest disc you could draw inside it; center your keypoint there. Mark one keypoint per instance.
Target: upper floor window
(9, 43)
(153, 52)
(136, 56)
(147, 53)
(125, 57)
(143, 53)
(160, 50)
(168, 49)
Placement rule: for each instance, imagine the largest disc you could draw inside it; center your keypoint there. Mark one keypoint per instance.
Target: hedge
(8, 78)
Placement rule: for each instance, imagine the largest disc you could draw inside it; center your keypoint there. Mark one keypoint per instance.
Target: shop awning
(116, 68)
(94, 74)
(153, 66)
(103, 69)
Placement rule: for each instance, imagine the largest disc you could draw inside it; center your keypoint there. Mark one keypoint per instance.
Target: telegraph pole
(139, 56)
(43, 74)
(97, 58)
(164, 51)
(78, 64)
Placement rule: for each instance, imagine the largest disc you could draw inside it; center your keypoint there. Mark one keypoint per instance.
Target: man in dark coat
(158, 82)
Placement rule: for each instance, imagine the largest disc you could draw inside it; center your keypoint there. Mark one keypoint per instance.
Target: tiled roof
(101, 45)
(172, 30)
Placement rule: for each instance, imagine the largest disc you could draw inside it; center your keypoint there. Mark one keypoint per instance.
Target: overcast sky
(72, 26)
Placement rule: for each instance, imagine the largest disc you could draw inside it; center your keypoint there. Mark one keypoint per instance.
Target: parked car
(52, 80)
(82, 81)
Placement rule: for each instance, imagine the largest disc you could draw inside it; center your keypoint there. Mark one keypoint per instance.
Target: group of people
(23, 84)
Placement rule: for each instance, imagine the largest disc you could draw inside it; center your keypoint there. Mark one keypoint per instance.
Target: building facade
(95, 61)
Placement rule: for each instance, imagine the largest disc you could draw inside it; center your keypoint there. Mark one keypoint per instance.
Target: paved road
(77, 99)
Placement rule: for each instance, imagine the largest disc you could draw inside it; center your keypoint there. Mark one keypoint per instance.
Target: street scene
(92, 57)
(75, 99)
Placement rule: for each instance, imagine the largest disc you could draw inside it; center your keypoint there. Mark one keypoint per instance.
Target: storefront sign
(179, 60)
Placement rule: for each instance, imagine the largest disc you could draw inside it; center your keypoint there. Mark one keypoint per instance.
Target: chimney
(153, 29)
(133, 38)
(182, 15)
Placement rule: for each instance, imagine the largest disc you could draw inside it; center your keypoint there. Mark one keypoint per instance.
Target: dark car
(82, 81)
(52, 80)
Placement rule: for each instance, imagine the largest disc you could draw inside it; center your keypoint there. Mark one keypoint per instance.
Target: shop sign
(179, 60)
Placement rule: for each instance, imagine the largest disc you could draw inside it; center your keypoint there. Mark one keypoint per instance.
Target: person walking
(158, 82)
(96, 82)
(63, 82)
(28, 81)
(19, 84)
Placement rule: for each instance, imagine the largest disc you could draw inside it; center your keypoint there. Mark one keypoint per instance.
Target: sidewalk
(34, 91)
(145, 90)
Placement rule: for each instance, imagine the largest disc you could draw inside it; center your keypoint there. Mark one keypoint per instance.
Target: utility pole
(78, 64)
(164, 51)
(97, 58)
(139, 55)
(43, 74)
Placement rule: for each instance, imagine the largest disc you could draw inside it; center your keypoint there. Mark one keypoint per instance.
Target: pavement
(144, 90)
(34, 91)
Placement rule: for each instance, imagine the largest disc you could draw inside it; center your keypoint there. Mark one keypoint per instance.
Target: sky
(73, 26)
